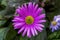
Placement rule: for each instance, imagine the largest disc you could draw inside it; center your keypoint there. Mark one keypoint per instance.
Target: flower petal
(18, 19)
(36, 6)
(18, 24)
(18, 11)
(40, 17)
(40, 25)
(28, 33)
(21, 30)
(39, 10)
(40, 21)
(25, 31)
(32, 31)
(38, 28)
(35, 31)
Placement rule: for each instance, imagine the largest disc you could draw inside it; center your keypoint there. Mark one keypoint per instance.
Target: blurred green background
(7, 10)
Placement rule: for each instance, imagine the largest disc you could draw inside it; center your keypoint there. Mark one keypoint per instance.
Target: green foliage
(3, 33)
(0, 1)
(2, 22)
(10, 34)
(7, 11)
(4, 2)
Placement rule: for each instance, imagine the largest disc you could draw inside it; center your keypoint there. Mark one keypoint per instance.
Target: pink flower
(30, 19)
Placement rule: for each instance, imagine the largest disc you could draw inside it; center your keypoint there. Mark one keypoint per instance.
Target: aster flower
(55, 24)
(29, 19)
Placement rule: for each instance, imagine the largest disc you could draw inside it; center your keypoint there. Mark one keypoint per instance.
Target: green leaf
(11, 33)
(52, 35)
(2, 13)
(2, 22)
(4, 2)
(55, 39)
(3, 32)
(7, 13)
(0, 1)
(23, 38)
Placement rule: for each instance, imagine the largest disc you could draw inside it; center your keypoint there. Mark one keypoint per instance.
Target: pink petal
(33, 4)
(32, 31)
(38, 28)
(39, 10)
(30, 5)
(36, 6)
(19, 19)
(18, 24)
(16, 27)
(30, 9)
(35, 31)
(28, 33)
(26, 10)
(18, 11)
(40, 17)
(21, 30)
(25, 31)
(25, 5)
(23, 11)
(42, 21)
(40, 25)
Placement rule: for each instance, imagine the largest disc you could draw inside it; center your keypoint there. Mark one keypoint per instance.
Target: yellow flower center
(29, 20)
(54, 23)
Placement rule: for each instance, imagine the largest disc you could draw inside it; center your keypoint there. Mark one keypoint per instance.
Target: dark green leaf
(51, 36)
(0, 1)
(2, 13)
(3, 32)
(2, 22)
(11, 33)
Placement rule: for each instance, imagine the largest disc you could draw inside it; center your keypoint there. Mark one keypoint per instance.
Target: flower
(29, 19)
(55, 24)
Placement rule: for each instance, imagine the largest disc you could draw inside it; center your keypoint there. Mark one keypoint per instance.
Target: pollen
(54, 23)
(29, 20)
